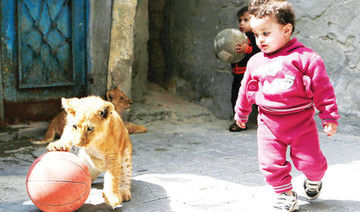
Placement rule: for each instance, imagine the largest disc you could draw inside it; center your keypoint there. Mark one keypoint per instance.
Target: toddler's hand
(240, 48)
(330, 129)
(241, 125)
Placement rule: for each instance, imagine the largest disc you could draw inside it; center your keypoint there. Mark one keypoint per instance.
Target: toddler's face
(244, 22)
(270, 35)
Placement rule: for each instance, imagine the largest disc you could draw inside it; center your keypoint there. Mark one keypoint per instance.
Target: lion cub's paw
(142, 129)
(112, 199)
(126, 195)
(58, 147)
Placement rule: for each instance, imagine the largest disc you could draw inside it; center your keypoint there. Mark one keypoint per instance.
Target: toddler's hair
(242, 11)
(280, 9)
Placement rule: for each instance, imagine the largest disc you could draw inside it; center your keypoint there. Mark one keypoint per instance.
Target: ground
(188, 161)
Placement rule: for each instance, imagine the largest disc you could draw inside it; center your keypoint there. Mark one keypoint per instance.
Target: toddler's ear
(288, 29)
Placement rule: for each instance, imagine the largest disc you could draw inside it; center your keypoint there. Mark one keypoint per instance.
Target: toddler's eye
(75, 127)
(266, 33)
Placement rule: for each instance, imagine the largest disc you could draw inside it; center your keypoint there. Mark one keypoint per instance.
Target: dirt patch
(162, 106)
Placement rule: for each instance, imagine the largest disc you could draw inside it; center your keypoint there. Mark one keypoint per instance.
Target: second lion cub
(94, 125)
(115, 96)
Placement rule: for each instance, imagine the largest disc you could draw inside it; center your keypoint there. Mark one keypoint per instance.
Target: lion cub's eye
(75, 127)
(90, 129)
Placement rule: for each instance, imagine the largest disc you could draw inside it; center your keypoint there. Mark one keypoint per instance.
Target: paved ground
(189, 162)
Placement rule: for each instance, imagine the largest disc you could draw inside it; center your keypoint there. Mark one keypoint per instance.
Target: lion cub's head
(89, 118)
(119, 99)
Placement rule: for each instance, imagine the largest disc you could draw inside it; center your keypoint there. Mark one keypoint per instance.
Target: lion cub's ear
(106, 110)
(69, 105)
(109, 95)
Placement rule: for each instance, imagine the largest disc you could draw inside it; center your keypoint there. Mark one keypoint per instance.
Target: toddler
(286, 80)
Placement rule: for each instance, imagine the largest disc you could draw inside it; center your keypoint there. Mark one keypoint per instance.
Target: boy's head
(280, 9)
(272, 22)
(244, 20)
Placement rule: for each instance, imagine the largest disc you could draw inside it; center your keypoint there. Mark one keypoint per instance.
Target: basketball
(58, 181)
(225, 42)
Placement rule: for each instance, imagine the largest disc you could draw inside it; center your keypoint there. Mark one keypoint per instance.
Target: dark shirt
(255, 49)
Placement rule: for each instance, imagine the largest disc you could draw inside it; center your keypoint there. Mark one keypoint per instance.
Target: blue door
(43, 50)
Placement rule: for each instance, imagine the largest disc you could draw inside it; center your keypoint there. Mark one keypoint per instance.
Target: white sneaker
(312, 189)
(285, 202)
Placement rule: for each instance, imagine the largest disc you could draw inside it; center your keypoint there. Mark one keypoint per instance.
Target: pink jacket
(287, 81)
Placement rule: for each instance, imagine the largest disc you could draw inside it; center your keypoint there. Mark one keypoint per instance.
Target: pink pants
(299, 131)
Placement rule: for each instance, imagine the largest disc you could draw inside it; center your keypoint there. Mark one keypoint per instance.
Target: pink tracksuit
(286, 85)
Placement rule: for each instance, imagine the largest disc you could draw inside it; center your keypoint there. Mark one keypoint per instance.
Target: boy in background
(239, 68)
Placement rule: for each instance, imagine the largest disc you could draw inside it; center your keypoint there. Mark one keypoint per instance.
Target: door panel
(43, 46)
(44, 43)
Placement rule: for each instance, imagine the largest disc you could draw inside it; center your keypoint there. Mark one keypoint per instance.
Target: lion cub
(122, 103)
(115, 96)
(94, 125)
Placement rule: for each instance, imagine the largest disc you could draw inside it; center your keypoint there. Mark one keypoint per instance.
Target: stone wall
(192, 71)
(331, 28)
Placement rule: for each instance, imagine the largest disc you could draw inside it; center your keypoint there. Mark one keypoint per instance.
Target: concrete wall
(330, 27)
(99, 46)
(141, 55)
(121, 56)
(192, 69)
(111, 45)
(157, 64)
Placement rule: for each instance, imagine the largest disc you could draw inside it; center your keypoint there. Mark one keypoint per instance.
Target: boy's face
(270, 35)
(244, 22)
